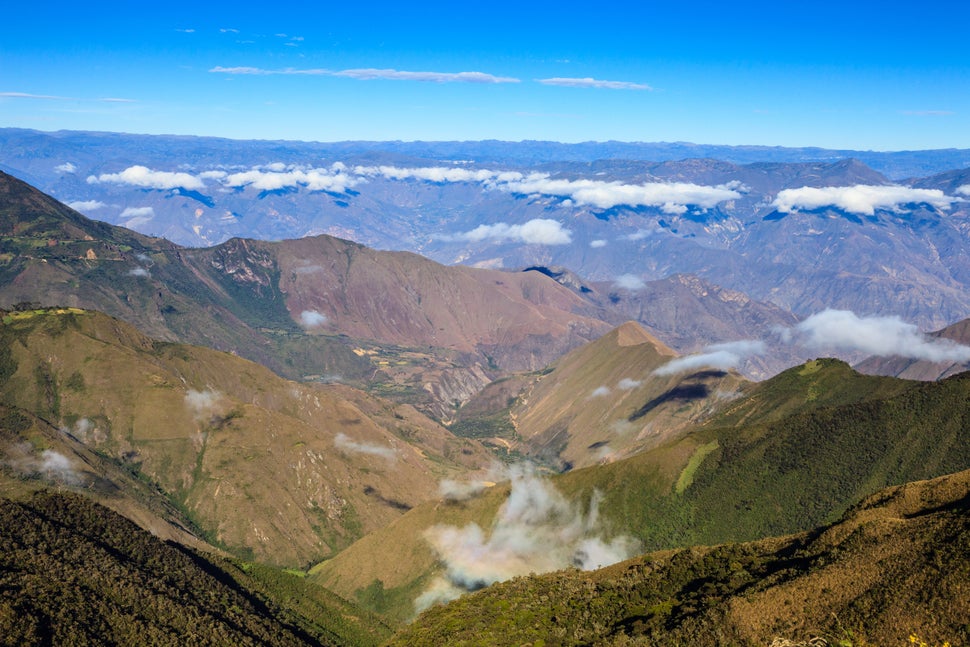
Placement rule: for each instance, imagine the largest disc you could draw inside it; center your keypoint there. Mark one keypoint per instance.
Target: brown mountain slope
(432, 333)
(895, 566)
(521, 320)
(285, 472)
(603, 401)
(915, 369)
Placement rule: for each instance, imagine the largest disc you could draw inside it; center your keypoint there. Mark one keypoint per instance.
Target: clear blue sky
(863, 75)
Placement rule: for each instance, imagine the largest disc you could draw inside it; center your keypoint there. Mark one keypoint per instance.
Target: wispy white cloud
(205, 404)
(964, 190)
(600, 392)
(86, 205)
(138, 212)
(439, 174)
(629, 282)
(862, 198)
(27, 95)
(539, 231)
(721, 357)
(588, 82)
(535, 531)
(139, 271)
(314, 179)
(627, 384)
(843, 330)
(597, 244)
(312, 319)
(66, 167)
(371, 74)
(147, 178)
(671, 197)
(54, 97)
(343, 442)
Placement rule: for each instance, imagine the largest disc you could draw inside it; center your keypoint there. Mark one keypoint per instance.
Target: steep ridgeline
(279, 471)
(895, 566)
(73, 572)
(795, 452)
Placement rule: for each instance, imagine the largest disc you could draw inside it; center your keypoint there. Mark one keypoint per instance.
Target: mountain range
(326, 438)
(802, 234)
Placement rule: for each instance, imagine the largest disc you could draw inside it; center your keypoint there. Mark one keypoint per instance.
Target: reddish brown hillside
(522, 321)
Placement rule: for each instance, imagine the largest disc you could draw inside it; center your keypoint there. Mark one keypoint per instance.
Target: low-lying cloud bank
(147, 178)
(535, 531)
(861, 199)
(842, 330)
(670, 197)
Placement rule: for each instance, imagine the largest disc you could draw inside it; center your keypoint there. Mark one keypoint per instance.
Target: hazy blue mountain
(803, 229)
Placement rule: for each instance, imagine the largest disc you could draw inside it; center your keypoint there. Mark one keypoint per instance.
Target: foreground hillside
(280, 471)
(895, 566)
(72, 572)
(795, 453)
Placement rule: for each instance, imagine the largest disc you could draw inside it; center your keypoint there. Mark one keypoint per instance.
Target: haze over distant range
(856, 75)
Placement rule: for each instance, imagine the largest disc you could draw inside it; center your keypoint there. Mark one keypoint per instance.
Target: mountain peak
(633, 334)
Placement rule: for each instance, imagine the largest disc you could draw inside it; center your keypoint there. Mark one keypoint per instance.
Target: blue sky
(861, 75)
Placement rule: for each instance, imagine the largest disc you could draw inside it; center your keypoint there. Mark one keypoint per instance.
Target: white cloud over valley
(144, 177)
(845, 331)
(345, 443)
(536, 530)
(314, 179)
(721, 357)
(539, 231)
(629, 282)
(861, 199)
(86, 205)
(312, 319)
(671, 197)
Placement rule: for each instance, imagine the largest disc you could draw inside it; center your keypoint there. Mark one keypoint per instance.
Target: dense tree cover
(895, 567)
(73, 572)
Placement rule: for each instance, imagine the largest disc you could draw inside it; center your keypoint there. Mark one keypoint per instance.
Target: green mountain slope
(73, 572)
(283, 472)
(795, 453)
(602, 401)
(895, 566)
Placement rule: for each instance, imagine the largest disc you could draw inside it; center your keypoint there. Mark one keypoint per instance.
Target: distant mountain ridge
(767, 225)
